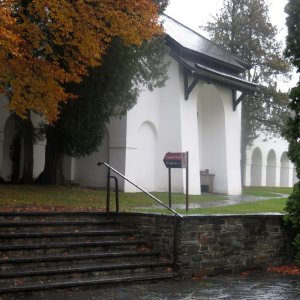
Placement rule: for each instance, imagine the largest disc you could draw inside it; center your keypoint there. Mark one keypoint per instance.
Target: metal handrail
(140, 188)
(148, 194)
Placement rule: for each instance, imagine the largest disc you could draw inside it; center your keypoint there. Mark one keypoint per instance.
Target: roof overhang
(198, 72)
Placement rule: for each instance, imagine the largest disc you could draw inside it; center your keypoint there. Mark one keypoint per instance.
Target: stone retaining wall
(211, 245)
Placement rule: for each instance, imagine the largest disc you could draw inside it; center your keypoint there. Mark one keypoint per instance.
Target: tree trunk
(53, 170)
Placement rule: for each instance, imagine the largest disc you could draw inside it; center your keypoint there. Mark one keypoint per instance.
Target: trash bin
(207, 181)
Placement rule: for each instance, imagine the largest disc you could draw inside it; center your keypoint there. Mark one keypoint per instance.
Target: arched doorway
(146, 156)
(271, 169)
(256, 168)
(211, 130)
(284, 169)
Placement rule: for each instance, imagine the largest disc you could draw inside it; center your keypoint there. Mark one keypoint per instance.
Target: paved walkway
(229, 200)
(256, 286)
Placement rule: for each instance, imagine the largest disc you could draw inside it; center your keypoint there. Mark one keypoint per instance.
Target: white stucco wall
(158, 114)
(204, 125)
(85, 169)
(162, 121)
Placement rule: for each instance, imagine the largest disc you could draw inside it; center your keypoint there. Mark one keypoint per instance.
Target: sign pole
(187, 182)
(178, 160)
(170, 200)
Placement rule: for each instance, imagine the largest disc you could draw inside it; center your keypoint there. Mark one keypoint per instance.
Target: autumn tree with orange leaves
(46, 44)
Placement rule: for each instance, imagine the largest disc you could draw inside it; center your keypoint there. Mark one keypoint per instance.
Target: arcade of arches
(269, 167)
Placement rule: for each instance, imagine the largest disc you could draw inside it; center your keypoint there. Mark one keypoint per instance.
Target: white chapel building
(197, 111)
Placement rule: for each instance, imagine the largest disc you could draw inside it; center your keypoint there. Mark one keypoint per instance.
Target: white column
(189, 141)
(232, 144)
(264, 171)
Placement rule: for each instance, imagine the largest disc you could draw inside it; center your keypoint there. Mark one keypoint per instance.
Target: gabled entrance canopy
(202, 59)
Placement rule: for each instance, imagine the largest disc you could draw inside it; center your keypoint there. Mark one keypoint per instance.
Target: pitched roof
(204, 57)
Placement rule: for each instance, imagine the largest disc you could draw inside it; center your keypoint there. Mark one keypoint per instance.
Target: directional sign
(178, 160)
(175, 160)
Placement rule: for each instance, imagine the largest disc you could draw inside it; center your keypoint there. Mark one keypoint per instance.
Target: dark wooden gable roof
(204, 59)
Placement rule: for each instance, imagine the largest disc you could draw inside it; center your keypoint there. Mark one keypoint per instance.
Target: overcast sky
(194, 13)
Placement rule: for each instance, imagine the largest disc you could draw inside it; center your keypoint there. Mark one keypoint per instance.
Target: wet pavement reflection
(228, 200)
(256, 285)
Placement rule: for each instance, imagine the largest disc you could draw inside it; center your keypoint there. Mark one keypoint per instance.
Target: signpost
(178, 160)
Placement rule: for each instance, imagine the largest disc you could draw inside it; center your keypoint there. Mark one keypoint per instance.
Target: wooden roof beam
(189, 88)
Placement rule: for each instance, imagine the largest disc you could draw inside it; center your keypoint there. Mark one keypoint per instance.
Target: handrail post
(117, 196)
(175, 243)
(108, 190)
(116, 192)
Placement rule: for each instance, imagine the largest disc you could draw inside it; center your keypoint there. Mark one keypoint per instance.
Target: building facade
(197, 111)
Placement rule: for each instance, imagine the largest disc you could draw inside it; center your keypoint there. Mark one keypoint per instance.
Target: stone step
(77, 259)
(12, 290)
(56, 250)
(46, 226)
(53, 216)
(79, 271)
(25, 238)
(70, 248)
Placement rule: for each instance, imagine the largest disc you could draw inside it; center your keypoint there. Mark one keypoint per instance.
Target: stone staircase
(40, 251)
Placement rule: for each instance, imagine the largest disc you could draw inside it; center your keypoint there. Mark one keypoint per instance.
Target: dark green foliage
(293, 207)
(162, 5)
(293, 38)
(292, 129)
(110, 90)
(293, 216)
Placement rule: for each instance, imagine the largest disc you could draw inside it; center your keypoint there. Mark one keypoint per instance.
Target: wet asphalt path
(256, 286)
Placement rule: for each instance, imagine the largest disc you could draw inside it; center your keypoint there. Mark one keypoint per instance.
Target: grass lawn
(263, 206)
(266, 191)
(35, 197)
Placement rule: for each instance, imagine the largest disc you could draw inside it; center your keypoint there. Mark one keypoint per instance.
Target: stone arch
(271, 169)
(284, 169)
(146, 155)
(211, 135)
(256, 167)
(87, 172)
(12, 151)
